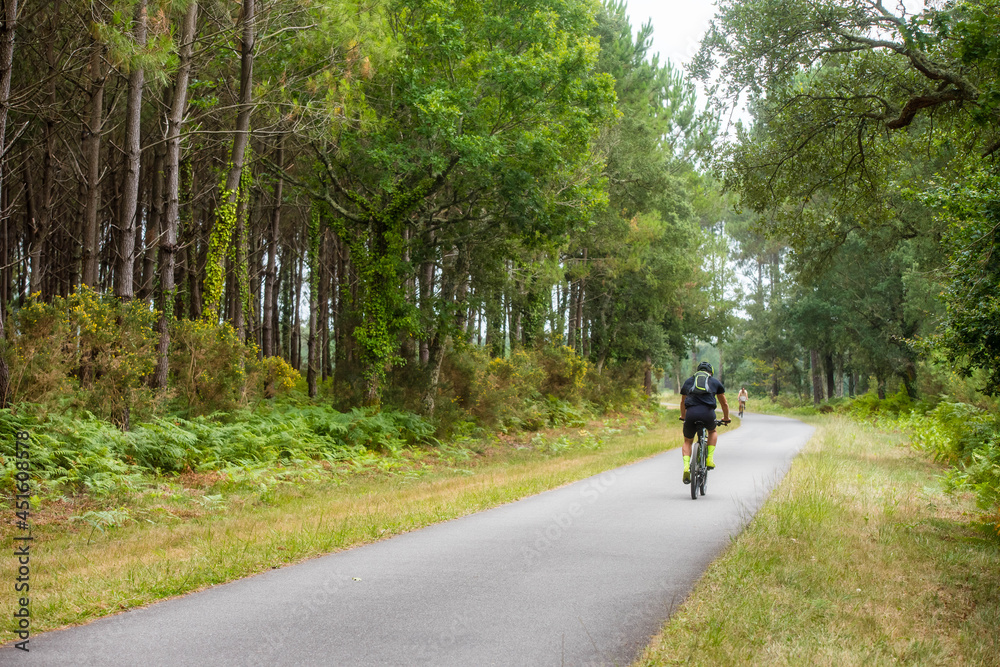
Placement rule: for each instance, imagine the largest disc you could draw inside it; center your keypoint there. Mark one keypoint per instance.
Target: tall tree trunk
(124, 285)
(241, 277)
(171, 174)
(817, 377)
(840, 376)
(581, 299)
(154, 222)
(451, 277)
(326, 245)
(296, 316)
(312, 345)
(285, 316)
(92, 152)
(580, 333)
(8, 17)
(427, 299)
(270, 273)
(775, 387)
(41, 218)
(222, 235)
(647, 378)
(831, 388)
(314, 239)
(571, 315)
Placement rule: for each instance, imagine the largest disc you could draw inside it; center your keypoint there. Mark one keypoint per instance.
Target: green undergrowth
(77, 452)
(860, 557)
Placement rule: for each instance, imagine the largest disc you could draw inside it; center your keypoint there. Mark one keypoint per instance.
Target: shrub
(214, 370)
(870, 406)
(94, 346)
(617, 388)
(981, 475)
(496, 391)
(565, 372)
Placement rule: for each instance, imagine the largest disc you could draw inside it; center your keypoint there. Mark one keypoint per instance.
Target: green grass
(859, 558)
(175, 539)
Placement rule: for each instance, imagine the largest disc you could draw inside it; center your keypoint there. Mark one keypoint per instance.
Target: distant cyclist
(742, 398)
(699, 392)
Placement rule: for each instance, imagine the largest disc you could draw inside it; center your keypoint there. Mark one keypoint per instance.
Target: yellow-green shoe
(687, 476)
(710, 459)
(687, 469)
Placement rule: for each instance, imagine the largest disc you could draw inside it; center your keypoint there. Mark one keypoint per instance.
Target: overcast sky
(677, 25)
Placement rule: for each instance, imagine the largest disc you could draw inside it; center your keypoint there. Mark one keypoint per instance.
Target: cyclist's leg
(713, 438)
(689, 431)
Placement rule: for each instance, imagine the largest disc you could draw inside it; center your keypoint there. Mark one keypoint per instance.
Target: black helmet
(705, 366)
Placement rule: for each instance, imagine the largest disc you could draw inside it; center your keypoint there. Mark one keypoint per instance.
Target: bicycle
(743, 405)
(699, 458)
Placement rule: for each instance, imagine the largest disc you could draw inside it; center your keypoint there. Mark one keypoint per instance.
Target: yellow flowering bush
(496, 391)
(91, 344)
(565, 372)
(214, 370)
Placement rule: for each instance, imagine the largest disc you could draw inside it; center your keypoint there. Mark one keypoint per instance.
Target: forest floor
(92, 557)
(858, 558)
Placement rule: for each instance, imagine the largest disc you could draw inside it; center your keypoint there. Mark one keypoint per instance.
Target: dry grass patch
(857, 559)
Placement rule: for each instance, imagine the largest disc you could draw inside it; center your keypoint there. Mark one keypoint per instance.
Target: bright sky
(678, 25)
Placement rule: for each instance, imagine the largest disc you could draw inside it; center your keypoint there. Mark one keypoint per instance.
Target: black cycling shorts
(694, 415)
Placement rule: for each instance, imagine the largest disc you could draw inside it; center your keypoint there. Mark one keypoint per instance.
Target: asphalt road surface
(581, 575)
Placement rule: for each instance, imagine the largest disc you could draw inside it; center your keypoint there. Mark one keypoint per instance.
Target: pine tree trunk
(647, 378)
(817, 377)
(581, 298)
(154, 222)
(241, 138)
(171, 168)
(427, 299)
(296, 317)
(774, 380)
(124, 283)
(831, 387)
(570, 316)
(92, 152)
(8, 17)
(270, 274)
(324, 303)
(312, 348)
(839, 380)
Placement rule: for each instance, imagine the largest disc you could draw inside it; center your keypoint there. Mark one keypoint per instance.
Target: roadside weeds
(858, 558)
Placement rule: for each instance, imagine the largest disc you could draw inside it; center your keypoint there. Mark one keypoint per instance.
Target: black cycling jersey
(695, 396)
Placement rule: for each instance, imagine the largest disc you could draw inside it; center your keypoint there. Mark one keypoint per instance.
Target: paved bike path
(581, 575)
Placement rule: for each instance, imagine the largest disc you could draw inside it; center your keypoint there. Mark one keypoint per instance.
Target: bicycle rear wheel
(695, 471)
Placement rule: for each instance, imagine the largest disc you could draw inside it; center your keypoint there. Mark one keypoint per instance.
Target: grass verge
(79, 573)
(858, 558)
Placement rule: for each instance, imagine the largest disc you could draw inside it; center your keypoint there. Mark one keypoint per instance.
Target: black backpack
(701, 385)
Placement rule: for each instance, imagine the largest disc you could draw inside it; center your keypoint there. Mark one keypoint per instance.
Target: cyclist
(700, 392)
(742, 397)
